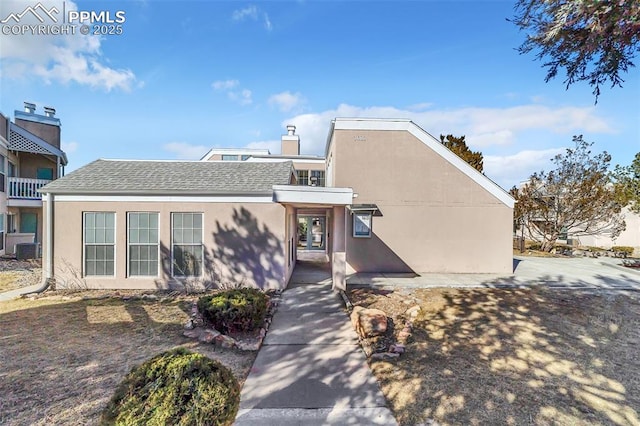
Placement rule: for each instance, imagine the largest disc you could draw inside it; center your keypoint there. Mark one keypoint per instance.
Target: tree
(460, 148)
(628, 184)
(576, 198)
(593, 40)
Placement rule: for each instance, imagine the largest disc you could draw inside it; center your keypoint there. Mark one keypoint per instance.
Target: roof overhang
(365, 208)
(312, 195)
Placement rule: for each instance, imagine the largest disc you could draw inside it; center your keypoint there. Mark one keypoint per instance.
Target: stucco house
(387, 197)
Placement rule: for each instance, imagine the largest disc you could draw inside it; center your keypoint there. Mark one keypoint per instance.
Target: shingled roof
(172, 178)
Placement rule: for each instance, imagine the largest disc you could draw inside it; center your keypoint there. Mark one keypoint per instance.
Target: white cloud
(70, 147)
(273, 146)
(252, 13)
(59, 58)
(483, 127)
(286, 101)
(247, 12)
(186, 151)
(224, 84)
(242, 97)
(510, 170)
(233, 91)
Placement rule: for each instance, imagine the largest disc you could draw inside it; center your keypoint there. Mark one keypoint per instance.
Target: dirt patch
(19, 273)
(502, 356)
(63, 355)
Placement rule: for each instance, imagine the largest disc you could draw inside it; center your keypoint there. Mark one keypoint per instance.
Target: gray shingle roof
(172, 178)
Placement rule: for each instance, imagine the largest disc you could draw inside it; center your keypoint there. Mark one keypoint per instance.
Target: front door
(312, 232)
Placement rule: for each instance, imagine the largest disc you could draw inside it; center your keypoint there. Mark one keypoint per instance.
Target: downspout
(47, 278)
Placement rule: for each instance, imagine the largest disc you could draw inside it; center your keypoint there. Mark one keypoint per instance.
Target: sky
(186, 76)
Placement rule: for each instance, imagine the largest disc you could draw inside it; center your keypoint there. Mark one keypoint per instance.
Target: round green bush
(176, 387)
(241, 309)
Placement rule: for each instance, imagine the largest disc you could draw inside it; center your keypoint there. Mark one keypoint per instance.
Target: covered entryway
(316, 225)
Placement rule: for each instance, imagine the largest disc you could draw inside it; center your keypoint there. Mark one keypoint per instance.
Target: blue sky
(186, 76)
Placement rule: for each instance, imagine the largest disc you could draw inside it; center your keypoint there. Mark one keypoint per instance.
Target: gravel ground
(19, 273)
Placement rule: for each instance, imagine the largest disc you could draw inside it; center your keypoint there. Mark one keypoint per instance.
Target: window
(44, 173)
(11, 170)
(316, 178)
(186, 231)
(28, 223)
(229, 158)
(244, 157)
(303, 177)
(143, 244)
(2, 173)
(2, 231)
(11, 223)
(362, 225)
(99, 243)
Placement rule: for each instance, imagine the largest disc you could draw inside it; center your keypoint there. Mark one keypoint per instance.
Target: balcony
(23, 192)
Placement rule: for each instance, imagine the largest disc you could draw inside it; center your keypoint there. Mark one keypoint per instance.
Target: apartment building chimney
(49, 111)
(46, 127)
(290, 144)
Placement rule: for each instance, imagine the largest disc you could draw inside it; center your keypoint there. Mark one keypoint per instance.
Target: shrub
(240, 309)
(623, 250)
(176, 387)
(535, 246)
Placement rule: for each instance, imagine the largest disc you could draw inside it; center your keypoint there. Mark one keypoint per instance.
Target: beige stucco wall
(434, 217)
(244, 243)
(630, 237)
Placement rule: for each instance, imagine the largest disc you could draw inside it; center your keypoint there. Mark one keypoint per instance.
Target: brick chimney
(290, 144)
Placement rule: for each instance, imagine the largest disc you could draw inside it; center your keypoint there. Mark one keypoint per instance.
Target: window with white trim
(362, 224)
(99, 243)
(186, 246)
(143, 244)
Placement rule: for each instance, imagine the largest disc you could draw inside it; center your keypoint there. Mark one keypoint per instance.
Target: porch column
(339, 252)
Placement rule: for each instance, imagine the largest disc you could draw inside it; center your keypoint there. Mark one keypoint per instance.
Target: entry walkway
(310, 369)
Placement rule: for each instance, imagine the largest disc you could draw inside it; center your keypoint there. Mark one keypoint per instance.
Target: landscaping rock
(192, 334)
(208, 335)
(384, 355)
(224, 341)
(248, 346)
(398, 348)
(369, 322)
(189, 325)
(413, 311)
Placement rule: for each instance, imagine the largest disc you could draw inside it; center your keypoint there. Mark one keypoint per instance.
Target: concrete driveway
(579, 273)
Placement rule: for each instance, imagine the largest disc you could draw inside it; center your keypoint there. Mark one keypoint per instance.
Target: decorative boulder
(369, 322)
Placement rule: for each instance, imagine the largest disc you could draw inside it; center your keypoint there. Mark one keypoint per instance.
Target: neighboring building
(30, 157)
(630, 237)
(390, 198)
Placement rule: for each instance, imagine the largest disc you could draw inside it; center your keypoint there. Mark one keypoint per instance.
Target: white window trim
(201, 248)
(129, 245)
(355, 219)
(115, 246)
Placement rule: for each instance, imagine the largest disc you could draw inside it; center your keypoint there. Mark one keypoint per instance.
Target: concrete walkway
(310, 369)
(601, 274)
(14, 294)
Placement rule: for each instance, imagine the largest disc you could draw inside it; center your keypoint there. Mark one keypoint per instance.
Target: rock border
(195, 328)
(395, 349)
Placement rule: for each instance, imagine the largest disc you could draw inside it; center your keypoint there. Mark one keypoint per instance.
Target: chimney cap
(49, 111)
(291, 129)
(29, 107)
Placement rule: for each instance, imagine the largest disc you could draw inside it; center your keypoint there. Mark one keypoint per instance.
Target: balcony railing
(25, 188)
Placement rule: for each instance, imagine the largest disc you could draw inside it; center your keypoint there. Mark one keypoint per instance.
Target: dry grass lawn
(515, 357)
(60, 360)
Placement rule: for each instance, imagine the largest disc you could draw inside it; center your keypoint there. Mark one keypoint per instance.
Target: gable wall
(435, 218)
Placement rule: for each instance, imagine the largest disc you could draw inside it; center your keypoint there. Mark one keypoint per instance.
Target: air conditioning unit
(27, 251)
